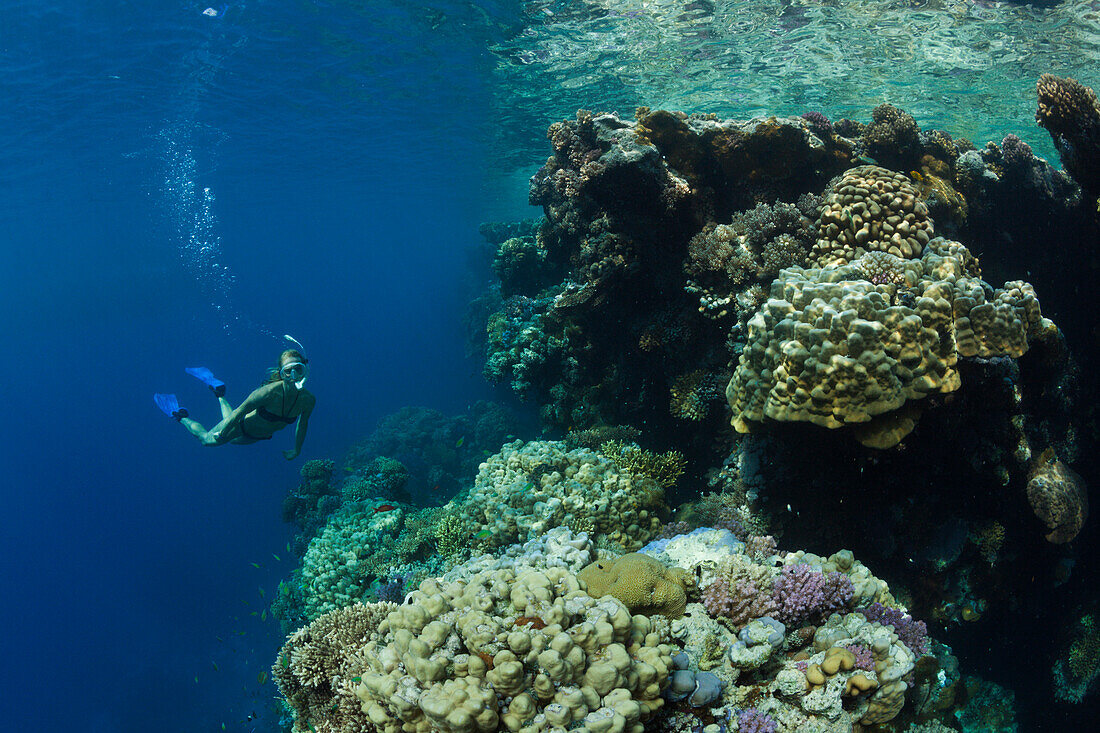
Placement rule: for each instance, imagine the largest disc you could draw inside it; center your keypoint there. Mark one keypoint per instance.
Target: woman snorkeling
(281, 401)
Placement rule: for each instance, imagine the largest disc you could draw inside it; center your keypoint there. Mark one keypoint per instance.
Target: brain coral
(832, 348)
(529, 488)
(641, 582)
(870, 209)
(1058, 497)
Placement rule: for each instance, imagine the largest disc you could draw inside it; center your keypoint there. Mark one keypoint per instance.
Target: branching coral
(319, 665)
(691, 394)
(803, 594)
(664, 468)
(1070, 112)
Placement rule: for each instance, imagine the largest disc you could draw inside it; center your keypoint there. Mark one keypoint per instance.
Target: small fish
(483, 535)
(245, 602)
(241, 633)
(262, 593)
(435, 488)
(254, 613)
(215, 666)
(261, 677)
(356, 679)
(256, 565)
(384, 508)
(486, 453)
(223, 726)
(263, 616)
(460, 441)
(220, 639)
(288, 547)
(277, 558)
(196, 679)
(310, 726)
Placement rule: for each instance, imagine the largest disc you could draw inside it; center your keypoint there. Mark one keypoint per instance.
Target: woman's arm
(299, 434)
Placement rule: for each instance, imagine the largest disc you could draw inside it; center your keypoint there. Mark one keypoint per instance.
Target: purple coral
(745, 603)
(864, 659)
(1015, 152)
(754, 721)
(802, 593)
(819, 123)
(913, 633)
(760, 547)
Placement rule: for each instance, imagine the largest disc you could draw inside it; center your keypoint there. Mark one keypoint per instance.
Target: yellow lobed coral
(871, 208)
(832, 348)
(641, 582)
(526, 653)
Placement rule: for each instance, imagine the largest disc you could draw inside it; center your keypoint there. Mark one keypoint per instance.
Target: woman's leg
(196, 429)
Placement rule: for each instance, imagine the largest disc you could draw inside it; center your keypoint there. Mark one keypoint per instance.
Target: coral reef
(515, 645)
(1078, 666)
(317, 668)
(438, 451)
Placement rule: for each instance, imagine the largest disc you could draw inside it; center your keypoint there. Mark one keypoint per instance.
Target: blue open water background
(179, 190)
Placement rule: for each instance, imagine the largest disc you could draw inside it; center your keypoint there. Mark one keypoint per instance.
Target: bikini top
(270, 416)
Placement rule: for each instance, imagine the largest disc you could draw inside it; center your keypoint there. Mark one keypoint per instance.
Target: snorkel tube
(302, 350)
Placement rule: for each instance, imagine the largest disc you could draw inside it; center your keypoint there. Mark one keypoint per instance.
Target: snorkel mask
(295, 371)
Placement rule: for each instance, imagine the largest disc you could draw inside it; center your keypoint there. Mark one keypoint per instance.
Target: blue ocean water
(182, 189)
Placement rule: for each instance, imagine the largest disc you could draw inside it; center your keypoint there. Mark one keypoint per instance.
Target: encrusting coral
(1058, 497)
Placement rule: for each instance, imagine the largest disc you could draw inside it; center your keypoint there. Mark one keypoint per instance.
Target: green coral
(664, 468)
(452, 535)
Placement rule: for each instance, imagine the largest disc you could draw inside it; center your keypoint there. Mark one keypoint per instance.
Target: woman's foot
(170, 406)
(207, 377)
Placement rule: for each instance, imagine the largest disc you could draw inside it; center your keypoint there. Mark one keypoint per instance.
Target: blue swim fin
(207, 377)
(169, 406)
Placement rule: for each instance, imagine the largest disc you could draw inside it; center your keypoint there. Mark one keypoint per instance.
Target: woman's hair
(290, 355)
